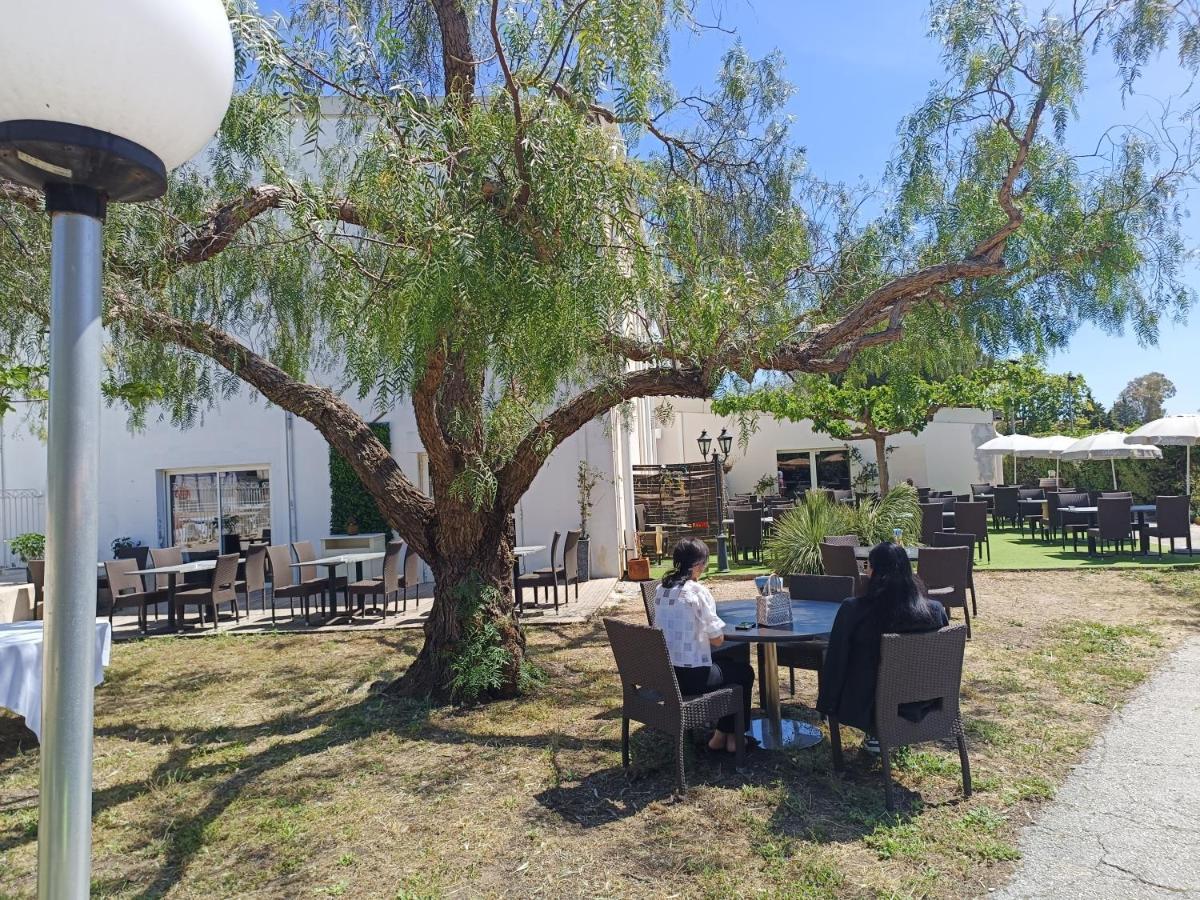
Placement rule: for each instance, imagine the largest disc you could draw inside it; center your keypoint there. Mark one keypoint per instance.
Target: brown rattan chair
(649, 589)
(127, 589)
(223, 589)
(972, 518)
(310, 575)
(1071, 523)
(254, 577)
(1005, 505)
(387, 586)
(932, 520)
(410, 579)
(810, 655)
(546, 577)
(961, 539)
(1171, 522)
(652, 696)
(916, 698)
(747, 533)
(35, 569)
(568, 572)
(284, 585)
(1114, 524)
(838, 559)
(162, 557)
(946, 574)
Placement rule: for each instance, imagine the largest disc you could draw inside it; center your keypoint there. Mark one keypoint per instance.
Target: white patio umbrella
(1050, 447)
(1109, 445)
(1172, 431)
(1016, 444)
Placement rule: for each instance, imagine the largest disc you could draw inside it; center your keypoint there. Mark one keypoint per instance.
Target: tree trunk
(880, 441)
(472, 616)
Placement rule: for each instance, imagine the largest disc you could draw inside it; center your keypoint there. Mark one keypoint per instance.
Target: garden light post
(724, 443)
(98, 101)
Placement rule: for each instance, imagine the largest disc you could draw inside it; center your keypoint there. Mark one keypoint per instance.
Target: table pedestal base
(788, 733)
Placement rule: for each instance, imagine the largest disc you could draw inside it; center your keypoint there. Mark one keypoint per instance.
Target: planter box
(583, 550)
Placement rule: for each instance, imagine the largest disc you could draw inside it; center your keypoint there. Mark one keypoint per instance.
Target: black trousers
(731, 667)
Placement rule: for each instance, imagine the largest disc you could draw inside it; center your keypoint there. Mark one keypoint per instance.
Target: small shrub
(30, 545)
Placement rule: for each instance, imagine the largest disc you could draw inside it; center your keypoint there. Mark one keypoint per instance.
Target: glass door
(833, 469)
(795, 469)
(195, 510)
(220, 511)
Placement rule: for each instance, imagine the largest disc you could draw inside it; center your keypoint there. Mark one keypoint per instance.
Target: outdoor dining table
(21, 646)
(173, 573)
(519, 553)
(659, 528)
(811, 620)
(331, 564)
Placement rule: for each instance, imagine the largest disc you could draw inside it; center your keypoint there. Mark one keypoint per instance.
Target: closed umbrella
(1016, 444)
(1171, 431)
(1109, 445)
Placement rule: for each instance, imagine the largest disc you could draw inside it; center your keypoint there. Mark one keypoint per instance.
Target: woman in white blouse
(685, 611)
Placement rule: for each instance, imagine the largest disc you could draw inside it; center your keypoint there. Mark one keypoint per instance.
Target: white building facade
(252, 468)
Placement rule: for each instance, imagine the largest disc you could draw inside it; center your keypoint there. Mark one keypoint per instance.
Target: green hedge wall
(1145, 478)
(348, 496)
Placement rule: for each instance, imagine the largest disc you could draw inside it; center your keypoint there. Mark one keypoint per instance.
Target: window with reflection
(219, 511)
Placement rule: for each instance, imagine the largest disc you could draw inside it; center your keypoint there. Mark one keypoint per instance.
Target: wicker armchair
(945, 572)
(652, 696)
(285, 587)
(254, 580)
(747, 533)
(839, 559)
(842, 540)
(545, 577)
(932, 520)
(1005, 506)
(972, 518)
(810, 655)
(919, 679)
(649, 589)
(127, 589)
(1070, 522)
(223, 589)
(387, 587)
(1114, 524)
(568, 572)
(310, 574)
(961, 539)
(1171, 522)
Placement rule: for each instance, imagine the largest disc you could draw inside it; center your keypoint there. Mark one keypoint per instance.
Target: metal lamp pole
(125, 92)
(722, 539)
(65, 815)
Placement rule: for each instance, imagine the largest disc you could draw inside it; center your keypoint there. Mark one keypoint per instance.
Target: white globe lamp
(98, 101)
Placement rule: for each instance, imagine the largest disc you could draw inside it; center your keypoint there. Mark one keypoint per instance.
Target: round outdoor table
(811, 619)
(865, 552)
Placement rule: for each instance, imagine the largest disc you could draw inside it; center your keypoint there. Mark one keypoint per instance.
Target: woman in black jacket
(893, 604)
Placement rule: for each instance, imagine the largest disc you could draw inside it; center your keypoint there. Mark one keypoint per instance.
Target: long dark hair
(897, 597)
(687, 554)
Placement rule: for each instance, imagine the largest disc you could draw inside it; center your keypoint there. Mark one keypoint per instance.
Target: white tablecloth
(21, 668)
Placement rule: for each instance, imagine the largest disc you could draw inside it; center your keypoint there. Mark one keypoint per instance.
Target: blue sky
(858, 69)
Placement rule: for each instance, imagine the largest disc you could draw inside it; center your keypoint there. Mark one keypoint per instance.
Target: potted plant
(586, 480)
(766, 485)
(123, 543)
(30, 545)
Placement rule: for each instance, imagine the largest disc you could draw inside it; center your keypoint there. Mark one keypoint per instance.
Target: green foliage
(1141, 400)
(587, 477)
(20, 383)
(479, 663)
(795, 546)
(30, 545)
(349, 499)
(768, 484)
(121, 543)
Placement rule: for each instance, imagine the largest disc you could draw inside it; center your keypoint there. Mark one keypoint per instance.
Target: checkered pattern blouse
(687, 615)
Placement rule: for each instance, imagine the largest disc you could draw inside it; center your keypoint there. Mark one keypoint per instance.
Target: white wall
(246, 431)
(942, 456)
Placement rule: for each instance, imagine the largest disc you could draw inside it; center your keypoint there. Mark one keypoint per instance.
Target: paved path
(1127, 822)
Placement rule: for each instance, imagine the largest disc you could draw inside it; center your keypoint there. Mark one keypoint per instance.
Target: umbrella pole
(1187, 478)
(1113, 463)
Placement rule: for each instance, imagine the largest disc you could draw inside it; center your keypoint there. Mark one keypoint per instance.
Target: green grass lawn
(1010, 550)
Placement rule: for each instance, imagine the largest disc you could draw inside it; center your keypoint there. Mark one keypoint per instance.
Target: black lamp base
(40, 154)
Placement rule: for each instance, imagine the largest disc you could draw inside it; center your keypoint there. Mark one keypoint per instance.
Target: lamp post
(724, 443)
(99, 102)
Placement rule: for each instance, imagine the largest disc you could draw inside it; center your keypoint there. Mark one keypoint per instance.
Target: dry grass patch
(268, 766)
